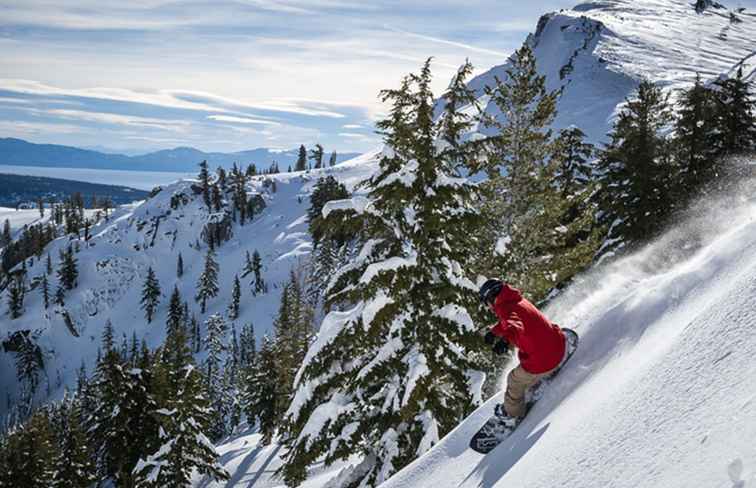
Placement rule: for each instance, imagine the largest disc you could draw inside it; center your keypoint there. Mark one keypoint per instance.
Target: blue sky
(225, 75)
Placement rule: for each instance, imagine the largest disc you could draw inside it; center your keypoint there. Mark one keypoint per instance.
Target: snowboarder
(541, 344)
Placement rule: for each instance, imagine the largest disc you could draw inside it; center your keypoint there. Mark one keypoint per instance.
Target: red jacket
(541, 344)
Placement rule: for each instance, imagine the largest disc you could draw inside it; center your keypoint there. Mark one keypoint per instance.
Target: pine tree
(16, 294)
(301, 159)
(183, 419)
(736, 114)
(176, 316)
(259, 284)
(119, 427)
(260, 391)
(247, 265)
(150, 294)
(407, 325)
(48, 265)
(332, 159)
(73, 465)
(28, 454)
(247, 345)
(696, 139)
(204, 178)
(573, 154)
(207, 285)
(636, 168)
(235, 299)
(6, 237)
(180, 266)
(68, 272)
(215, 343)
(317, 156)
(216, 197)
(326, 189)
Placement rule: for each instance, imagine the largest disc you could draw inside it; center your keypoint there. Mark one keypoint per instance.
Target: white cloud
(241, 120)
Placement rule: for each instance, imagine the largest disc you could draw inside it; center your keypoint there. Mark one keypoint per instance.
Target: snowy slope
(18, 218)
(662, 390)
(114, 264)
(598, 52)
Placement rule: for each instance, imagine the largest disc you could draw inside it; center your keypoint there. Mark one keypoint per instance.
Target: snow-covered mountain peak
(598, 52)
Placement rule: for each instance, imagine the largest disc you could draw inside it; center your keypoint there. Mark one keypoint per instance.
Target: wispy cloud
(448, 42)
(230, 74)
(241, 120)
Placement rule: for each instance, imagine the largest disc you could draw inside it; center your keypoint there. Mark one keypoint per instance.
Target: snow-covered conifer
(389, 375)
(150, 294)
(207, 285)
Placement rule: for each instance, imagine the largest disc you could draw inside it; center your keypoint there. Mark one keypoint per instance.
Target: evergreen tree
(317, 156)
(247, 345)
(260, 391)
(301, 159)
(6, 237)
(696, 139)
(204, 178)
(407, 325)
(119, 428)
(68, 272)
(207, 285)
(573, 154)
(150, 294)
(235, 299)
(736, 114)
(183, 419)
(215, 343)
(48, 265)
(73, 464)
(247, 265)
(332, 159)
(180, 266)
(217, 198)
(635, 167)
(259, 283)
(325, 190)
(176, 315)
(28, 453)
(16, 294)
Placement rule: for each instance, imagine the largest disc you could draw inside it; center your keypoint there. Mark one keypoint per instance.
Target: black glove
(501, 347)
(490, 338)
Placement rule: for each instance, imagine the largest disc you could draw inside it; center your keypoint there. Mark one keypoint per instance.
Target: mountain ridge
(15, 151)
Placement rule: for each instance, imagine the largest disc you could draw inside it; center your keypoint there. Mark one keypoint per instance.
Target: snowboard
(495, 430)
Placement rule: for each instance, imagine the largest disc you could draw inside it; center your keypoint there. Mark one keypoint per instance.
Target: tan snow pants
(518, 382)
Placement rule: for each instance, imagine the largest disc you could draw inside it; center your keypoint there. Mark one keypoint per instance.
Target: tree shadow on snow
(493, 466)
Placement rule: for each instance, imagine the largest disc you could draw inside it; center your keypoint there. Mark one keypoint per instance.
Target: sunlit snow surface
(661, 392)
(113, 267)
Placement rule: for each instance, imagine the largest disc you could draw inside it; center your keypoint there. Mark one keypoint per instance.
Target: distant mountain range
(180, 159)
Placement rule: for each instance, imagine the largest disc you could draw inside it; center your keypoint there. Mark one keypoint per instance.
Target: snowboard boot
(504, 418)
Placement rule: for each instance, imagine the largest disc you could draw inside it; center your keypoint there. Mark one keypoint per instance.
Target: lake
(142, 180)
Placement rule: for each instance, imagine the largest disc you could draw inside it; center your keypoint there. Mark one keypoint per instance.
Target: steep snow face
(598, 52)
(661, 391)
(114, 263)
